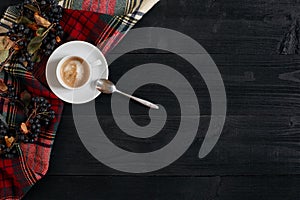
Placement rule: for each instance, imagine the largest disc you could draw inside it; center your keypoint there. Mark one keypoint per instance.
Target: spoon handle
(142, 101)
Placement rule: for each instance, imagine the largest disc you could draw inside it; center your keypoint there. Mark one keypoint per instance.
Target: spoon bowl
(105, 86)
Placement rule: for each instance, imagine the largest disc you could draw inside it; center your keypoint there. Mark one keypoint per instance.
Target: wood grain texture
(249, 145)
(165, 188)
(255, 85)
(232, 27)
(257, 156)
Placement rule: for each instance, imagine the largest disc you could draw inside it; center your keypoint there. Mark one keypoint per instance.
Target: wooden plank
(265, 187)
(233, 9)
(255, 85)
(236, 27)
(226, 36)
(181, 188)
(99, 187)
(249, 145)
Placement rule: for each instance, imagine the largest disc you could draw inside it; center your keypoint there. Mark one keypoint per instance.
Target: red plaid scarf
(102, 23)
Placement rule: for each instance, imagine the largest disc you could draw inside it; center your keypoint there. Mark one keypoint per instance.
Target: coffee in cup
(73, 72)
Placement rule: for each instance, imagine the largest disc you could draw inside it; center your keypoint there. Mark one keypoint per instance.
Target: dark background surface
(257, 156)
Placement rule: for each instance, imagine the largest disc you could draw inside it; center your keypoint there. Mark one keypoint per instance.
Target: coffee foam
(74, 72)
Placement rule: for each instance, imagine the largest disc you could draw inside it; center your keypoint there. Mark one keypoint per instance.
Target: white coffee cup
(73, 72)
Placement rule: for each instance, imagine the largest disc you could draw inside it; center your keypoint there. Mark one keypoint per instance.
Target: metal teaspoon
(107, 87)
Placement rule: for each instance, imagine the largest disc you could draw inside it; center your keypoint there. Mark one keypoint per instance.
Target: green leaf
(5, 43)
(34, 44)
(25, 97)
(47, 31)
(40, 31)
(25, 20)
(36, 57)
(31, 7)
(4, 55)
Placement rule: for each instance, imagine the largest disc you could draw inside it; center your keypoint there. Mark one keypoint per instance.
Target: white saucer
(86, 51)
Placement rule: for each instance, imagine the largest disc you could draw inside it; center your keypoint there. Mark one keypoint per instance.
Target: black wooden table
(258, 154)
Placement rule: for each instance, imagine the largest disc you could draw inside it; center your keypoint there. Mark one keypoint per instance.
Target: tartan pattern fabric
(101, 22)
